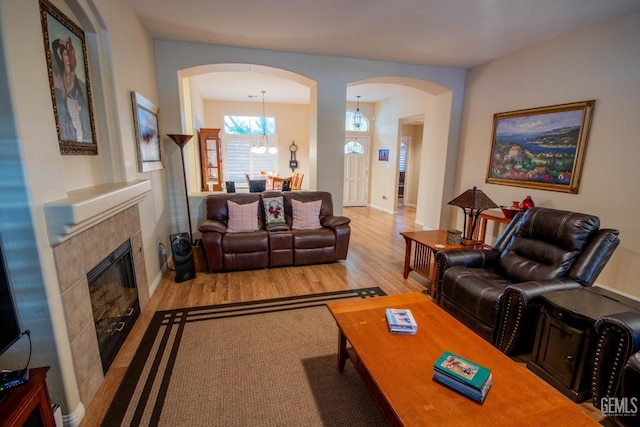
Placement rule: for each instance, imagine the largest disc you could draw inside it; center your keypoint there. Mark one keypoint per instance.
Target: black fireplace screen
(114, 300)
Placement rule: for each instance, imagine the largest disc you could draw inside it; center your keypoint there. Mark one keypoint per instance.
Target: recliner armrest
(618, 339)
(468, 257)
(520, 312)
(213, 225)
(531, 290)
(332, 221)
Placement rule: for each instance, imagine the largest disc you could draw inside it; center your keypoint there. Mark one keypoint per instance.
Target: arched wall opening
(408, 99)
(196, 106)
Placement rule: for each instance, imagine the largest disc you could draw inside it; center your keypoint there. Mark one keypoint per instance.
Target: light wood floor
(376, 258)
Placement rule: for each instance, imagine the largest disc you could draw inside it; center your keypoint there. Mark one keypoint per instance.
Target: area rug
(262, 363)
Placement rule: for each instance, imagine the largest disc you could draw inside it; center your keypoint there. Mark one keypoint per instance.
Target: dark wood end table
(565, 338)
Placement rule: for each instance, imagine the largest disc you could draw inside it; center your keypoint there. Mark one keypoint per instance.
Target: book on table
(462, 375)
(401, 321)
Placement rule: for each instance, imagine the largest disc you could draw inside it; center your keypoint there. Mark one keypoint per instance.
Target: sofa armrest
(519, 314)
(332, 221)
(213, 225)
(618, 338)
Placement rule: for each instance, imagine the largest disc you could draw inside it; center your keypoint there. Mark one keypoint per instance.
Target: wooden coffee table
(398, 370)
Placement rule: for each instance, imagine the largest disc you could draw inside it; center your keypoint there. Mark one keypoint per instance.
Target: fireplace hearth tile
(82, 316)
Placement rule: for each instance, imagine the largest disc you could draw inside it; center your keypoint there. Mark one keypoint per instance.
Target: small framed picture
(383, 155)
(145, 117)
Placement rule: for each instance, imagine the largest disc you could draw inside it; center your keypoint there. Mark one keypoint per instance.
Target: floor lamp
(181, 245)
(181, 141)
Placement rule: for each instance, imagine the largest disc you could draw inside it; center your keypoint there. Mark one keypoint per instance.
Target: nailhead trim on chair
(511, 343)
(623, 341)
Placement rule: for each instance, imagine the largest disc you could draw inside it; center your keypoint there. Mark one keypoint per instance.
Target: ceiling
(457, 33)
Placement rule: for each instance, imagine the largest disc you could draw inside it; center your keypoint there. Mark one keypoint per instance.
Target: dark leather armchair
(495, 291)
(616, 366)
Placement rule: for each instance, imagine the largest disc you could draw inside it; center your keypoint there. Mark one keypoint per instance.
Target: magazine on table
(401, 321)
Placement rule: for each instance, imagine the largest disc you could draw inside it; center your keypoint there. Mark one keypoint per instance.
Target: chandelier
(264, 145)
(357, 116)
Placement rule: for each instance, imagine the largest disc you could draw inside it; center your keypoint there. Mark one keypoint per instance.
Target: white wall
(601, 63)
(121, 60)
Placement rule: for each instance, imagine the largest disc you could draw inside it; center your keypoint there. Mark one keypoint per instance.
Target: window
(353, 147)
(403, 157)
(239, 160)
(364, 127)
(241, 133)
(249, 125)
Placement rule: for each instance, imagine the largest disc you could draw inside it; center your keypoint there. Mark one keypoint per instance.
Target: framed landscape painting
(541, 147)
(68, 69)
(145, 118)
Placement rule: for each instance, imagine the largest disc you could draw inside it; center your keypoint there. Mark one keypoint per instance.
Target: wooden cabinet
(211, 159)
(28, 404)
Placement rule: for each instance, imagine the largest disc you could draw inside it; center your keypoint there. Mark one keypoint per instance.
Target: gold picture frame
(542, 147)
(145, 118)
(68, 69)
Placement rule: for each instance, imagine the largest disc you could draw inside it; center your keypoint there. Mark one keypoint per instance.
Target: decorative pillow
(273, 210)
(306, 216)
(242, 218)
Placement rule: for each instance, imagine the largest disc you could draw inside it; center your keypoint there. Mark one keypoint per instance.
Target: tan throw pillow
(242, 218)
(306, 216)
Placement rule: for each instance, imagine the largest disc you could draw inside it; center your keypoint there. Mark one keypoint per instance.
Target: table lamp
(472, 202)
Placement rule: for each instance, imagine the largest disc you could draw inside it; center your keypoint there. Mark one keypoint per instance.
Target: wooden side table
(427, 244)
(28, 403)
(484, 217)
(565, 339)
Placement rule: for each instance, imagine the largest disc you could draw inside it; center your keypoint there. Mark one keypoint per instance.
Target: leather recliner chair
(495, 291)
(616, 367)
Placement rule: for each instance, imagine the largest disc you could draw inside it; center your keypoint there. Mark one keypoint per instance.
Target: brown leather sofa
(616, 367)
(495, 291)
(272, 245)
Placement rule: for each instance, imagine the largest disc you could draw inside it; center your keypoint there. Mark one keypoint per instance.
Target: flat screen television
(9, 322)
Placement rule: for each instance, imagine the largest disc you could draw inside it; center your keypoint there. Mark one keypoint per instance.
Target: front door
(356, 171)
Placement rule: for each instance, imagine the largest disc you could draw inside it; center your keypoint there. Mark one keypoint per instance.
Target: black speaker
(286, 185)
(182, 257)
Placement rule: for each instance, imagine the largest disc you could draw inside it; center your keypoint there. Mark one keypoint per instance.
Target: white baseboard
(73, 419)
(381, 209)
(156, 281)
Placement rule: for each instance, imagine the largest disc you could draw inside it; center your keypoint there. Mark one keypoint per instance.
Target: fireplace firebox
(114, 301)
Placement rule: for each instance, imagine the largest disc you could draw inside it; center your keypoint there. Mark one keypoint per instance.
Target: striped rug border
(173, 323)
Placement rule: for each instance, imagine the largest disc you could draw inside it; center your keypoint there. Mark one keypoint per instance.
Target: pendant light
(357, 116)
(264, 145)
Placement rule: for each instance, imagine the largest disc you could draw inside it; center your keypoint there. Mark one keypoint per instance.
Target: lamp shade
(181, 140)
(473, 199)
(472, 202)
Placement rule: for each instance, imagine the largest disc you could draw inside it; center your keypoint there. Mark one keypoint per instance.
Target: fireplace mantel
(86, 207)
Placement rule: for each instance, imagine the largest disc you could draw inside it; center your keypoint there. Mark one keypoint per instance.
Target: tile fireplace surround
(75, 257)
